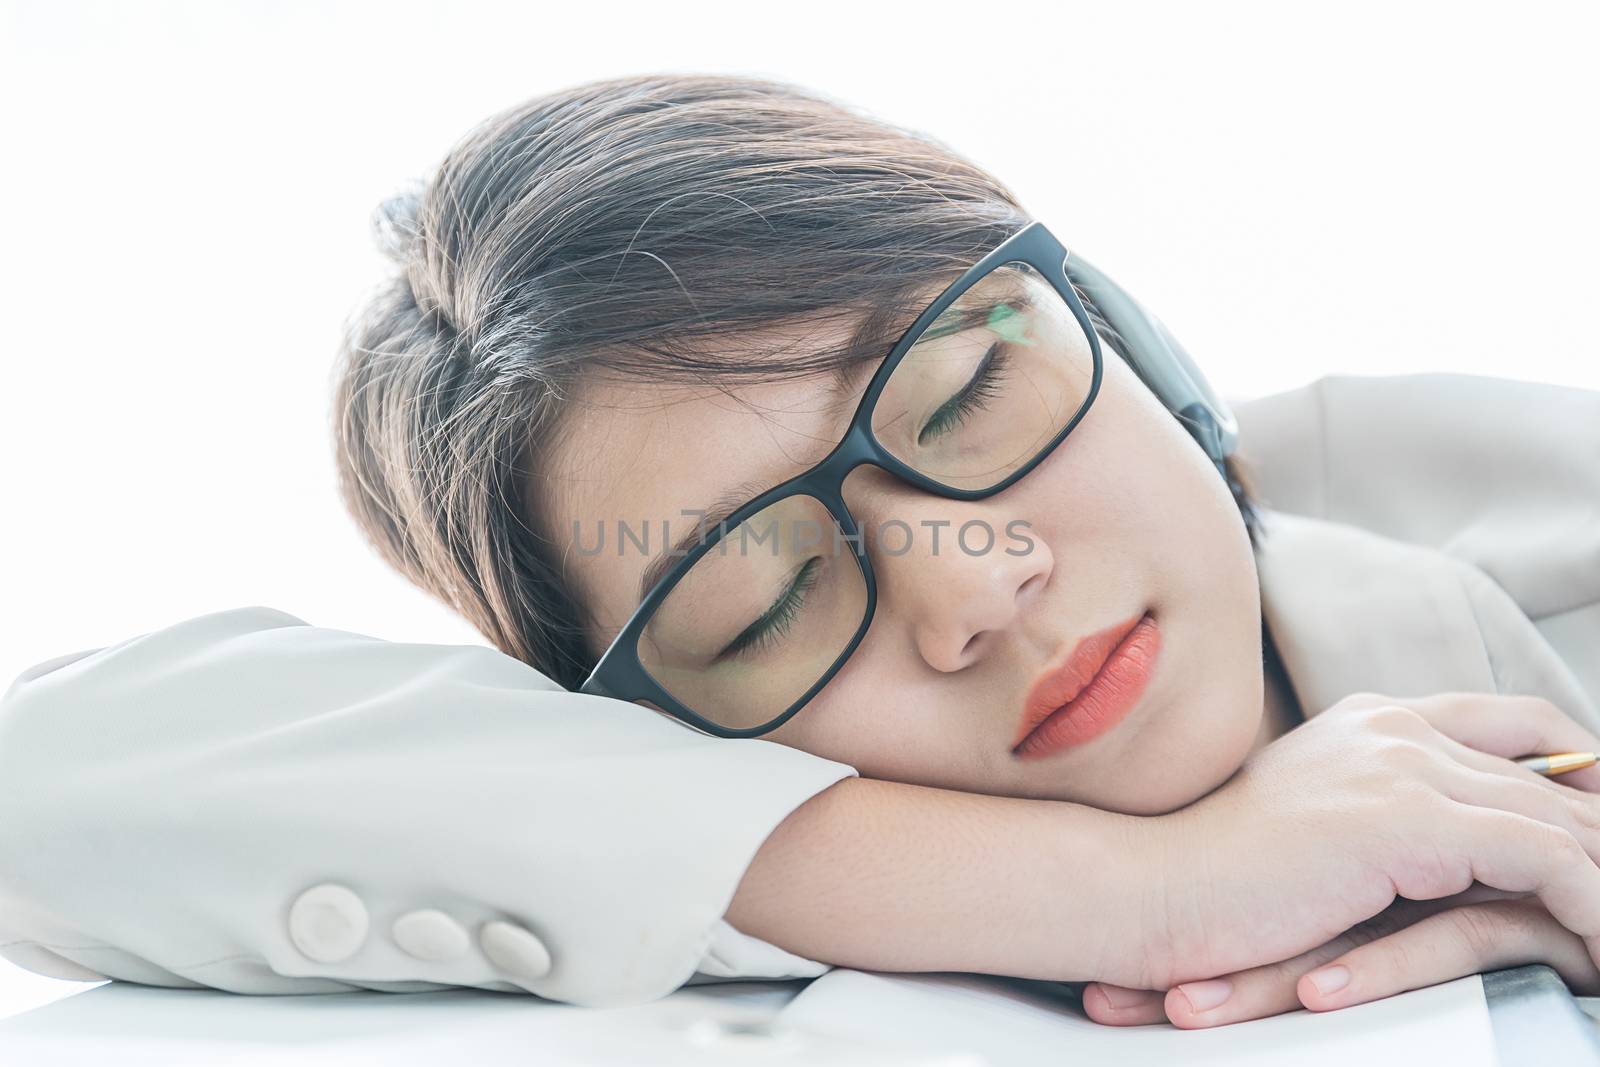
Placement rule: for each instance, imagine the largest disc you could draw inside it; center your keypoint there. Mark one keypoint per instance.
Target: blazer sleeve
(246, 802)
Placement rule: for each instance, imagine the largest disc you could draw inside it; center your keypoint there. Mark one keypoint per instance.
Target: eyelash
(972, 396)
(776, 620)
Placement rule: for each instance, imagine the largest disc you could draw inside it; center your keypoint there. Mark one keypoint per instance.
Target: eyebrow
(716, 513)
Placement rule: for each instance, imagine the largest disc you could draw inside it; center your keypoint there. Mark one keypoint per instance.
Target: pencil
(1559, 762)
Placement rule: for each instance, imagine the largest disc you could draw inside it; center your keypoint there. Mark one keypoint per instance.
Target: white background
(1363, 188)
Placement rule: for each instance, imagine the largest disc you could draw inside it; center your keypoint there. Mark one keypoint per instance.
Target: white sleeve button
(430, 935)
(514, 950)
(328, 923)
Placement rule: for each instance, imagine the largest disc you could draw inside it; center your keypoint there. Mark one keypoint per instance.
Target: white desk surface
(230, 1016)
(49, 1023)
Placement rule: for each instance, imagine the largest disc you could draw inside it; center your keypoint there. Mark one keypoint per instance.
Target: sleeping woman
(799, 427)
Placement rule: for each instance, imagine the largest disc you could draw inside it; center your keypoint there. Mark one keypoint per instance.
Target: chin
(1170, 782)
(1164, 798)
(1167, 793)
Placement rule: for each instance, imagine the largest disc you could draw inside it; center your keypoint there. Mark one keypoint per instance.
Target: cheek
(835, 724)
(1113, 467)
(868, 710)
(1093, 498)
(1129, 473)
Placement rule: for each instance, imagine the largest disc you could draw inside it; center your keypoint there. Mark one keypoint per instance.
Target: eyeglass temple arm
(1160, 361)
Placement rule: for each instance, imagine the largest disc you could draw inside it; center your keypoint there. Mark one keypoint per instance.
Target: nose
(957, 573)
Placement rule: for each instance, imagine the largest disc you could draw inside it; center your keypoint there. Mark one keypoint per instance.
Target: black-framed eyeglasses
(753, 620)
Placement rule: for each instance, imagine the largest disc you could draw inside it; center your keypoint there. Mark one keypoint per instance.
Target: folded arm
(247, 802)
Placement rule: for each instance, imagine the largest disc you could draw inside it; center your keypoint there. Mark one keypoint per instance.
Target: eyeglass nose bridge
(858, 448)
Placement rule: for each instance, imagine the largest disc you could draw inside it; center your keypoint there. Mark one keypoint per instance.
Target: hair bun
(395, 229)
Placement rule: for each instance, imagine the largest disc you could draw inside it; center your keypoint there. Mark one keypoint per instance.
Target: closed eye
(774, 623)
(979, 389)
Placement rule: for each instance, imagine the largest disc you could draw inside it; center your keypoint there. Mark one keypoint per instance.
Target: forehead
(644, 452)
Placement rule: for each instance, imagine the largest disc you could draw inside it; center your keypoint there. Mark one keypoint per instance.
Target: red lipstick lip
(1053, 717)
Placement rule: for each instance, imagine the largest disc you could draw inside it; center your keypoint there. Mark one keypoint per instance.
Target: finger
(1271, 989)
(1509, 769)
(1251, 994)
(1116, 1005)
(1493, 782)
(1513, 852)
(1449, 945)
(1511, 726)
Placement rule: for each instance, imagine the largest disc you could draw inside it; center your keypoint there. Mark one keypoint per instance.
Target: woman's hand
(1412, 943)
(1375, 799)
(1409, 945)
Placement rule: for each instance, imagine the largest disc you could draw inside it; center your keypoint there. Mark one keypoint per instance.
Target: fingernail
(1203, 996)
(1124, 998)
(1331, 979)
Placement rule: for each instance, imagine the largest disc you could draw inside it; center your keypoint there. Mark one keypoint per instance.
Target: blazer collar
(1354, 611)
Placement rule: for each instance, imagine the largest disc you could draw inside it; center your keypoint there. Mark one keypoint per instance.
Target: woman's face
(1127, 515)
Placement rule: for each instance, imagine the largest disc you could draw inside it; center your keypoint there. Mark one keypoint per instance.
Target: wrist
(1095, 901)
(1164, 905)
(1145, 904)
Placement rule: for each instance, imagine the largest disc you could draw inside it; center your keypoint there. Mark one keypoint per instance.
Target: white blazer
(247, 802)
